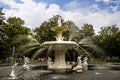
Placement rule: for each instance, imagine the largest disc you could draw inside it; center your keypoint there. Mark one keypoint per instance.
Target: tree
(87, 31)
(2, 35)
(13, 30)
(109, 39)
(2, 24)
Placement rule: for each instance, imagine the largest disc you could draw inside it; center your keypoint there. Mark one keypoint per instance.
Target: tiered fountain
(60, 47)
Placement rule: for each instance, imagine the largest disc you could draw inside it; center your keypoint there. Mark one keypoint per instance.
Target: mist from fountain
(88, 42)
(38, 52)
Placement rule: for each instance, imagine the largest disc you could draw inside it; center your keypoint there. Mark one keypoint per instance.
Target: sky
(99, 13)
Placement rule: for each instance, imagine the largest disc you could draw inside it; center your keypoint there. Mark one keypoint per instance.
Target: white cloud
(35, 13)
(98, 0)
(106, 1)
(114, 8)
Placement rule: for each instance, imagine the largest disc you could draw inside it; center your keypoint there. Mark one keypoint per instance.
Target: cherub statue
(26, 61)
(85, 63)
(79, 67)
(49, 61)
(79, 60)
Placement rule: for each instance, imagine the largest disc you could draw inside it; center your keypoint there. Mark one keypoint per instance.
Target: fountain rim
(60, 42)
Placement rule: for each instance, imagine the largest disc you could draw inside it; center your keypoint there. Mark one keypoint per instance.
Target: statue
(85, 63)
(79, 60)
(59, 21)
(59, 29)
(49, 61)
(79, 67)
(26, 61)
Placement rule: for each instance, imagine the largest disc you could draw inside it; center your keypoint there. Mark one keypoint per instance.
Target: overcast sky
(99, 13)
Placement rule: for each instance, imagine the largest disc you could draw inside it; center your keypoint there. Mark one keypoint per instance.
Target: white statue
(85, 63)
(49, 61)
(79, 60)
(59, 21)
(13, 75)
(26, 61)
(79, 67)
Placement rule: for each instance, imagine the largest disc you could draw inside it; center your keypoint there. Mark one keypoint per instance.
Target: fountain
(60, 47)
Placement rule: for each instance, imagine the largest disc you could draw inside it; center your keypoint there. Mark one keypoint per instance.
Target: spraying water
(12, 74)
(88, 42)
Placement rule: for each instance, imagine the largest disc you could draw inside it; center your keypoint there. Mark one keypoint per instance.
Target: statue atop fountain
(59, 30)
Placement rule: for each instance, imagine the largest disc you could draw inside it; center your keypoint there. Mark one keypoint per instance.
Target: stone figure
(79, 67)
(49, 61)
(85, 63)
(26, 61)
(59, 21)
(79, 60)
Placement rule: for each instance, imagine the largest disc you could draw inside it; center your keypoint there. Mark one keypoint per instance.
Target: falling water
(87, 42)
(73, 32)
(38, 52)
(13, 74)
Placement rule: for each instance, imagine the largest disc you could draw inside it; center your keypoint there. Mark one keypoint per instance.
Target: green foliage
(15, 35)
(87, 31)
(2, 35)
(109, 40)
(2, 25)
(15, 27)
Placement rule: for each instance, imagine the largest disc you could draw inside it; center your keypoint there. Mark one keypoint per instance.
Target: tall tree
(2, 35)
(87, 31)
(2, 24)
(13, 31)
(109, 39)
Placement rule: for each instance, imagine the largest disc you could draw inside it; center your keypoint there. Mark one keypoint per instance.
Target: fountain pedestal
(60, 63)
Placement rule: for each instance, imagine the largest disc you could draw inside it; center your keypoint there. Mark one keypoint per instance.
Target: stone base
(60, 69)
(78, 68)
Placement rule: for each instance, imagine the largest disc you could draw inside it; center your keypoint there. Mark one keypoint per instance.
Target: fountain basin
(60, 44)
